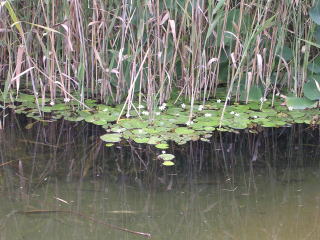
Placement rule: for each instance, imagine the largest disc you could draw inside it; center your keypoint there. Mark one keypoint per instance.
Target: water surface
(239, 186)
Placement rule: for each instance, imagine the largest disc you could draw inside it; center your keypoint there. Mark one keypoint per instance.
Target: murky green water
(241, 186)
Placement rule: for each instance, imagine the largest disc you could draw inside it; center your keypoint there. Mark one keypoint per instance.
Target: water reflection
(240, 186)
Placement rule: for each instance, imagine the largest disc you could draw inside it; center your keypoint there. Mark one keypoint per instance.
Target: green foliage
(315, 13)
(255, 94)
(111, 137)
(286, 53)
(300, 103)
(168, 163)
(166, 157)
(317, 34)
(311, 89)
(314, 66)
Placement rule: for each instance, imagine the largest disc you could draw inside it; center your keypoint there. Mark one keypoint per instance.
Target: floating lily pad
(132, 123)
(162, 146)
(25, 98)
(154, 140)
(238, 125)
(117, 129)
(139, 131)
(111, 137)
(204, 125)
(46, 109)
(141, 139)
(100, 122)
(59, 107)
(184, 130)
(166, 157)
(74, 118)
(168, 163)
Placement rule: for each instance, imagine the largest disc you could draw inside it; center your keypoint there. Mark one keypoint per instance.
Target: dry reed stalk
(99, 46)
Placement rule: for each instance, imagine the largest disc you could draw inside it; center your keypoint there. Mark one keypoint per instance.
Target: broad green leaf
(300, 103)
(162, 146)
(184, 130)
(317, 34)
(314, 66)
(255, 94)
(286, 53)
(166, 157)
(111, 137)
(311, 89)
(168, 163)
(315, 13)
(141, 139)
(132, 123)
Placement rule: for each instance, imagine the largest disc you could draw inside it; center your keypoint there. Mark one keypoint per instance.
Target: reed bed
(124, 51)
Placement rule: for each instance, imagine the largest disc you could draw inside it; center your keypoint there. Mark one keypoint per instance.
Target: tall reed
(150, 50)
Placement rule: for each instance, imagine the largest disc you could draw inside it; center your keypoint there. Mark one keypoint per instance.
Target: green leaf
(317, 34)
(300, 103)
(168, 163)
(141, 139)
(311, 89)
(184, 130)
(111, 137)
(286, 53)
(315, 13)
(162, 146)
(14, 17)
(255, 94)
(132, 123)
(166, 157)
(314, 66)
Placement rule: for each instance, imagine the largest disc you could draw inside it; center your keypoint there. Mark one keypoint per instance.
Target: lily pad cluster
(169, 122)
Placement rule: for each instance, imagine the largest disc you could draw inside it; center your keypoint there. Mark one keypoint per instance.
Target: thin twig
(40, 211)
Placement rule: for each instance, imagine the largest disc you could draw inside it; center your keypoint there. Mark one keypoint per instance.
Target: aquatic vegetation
(166, 157)
(213, 66)
(111, 137)
(174, 123)
(219, 49)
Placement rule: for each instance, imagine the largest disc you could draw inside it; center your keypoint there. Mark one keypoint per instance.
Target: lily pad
(154, 140)
(25, 98)
(141, 139)
(166, 157)
(133, 123)
(184, 130)
(111, 137)
(168, 163)
(139, 132)
(117, 129)
(162, 146)
(59, 107)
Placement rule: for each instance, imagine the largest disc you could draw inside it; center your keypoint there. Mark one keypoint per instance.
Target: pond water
(239, 186)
